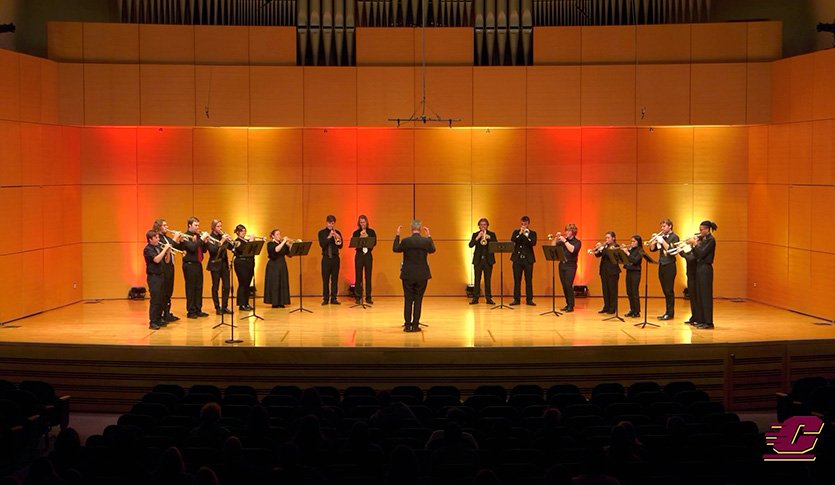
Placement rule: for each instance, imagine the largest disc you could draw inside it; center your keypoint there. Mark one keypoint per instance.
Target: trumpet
(653, 239)
(680, 247)
(551, 237)
(597, 248)
(174, 234)
(483, 239)
(525, 232)
(214, 240)
(176, 251)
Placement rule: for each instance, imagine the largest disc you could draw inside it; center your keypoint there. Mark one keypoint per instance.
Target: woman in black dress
(704, 249)
(276, 278)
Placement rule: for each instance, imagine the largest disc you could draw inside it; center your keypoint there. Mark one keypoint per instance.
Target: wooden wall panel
(168, 95)
(758, 93)
(802, 74)
(664, 43)
(33, 284)
(800, 153)
(330, 155)
(221, 44)
(9, 85)
(449, 93)
(52, 147)
(822, 218)
(650, 211)
(274, 46)
(779, 153)
(557, 45)
(71, 94)
(30, 89)
(768, 216)
(386, 274)
(386, 207)
(800, 217)
(220, 155)
(383, 93)
(781, 90)
(380, 46)
(799, 277)
(765, 40)
(108, 214)
(449, 266)
(63, 284)
(10, 153)
(228, 203)
(719, 42)
(446, 209)
(273, 207)
(385, 155)
(443, 155)
(553, 95)
(608, 95)
(609, 155)
(10, 286)
(665, 155)
(330, 96)
(317, 202)
(730, 268)
(450, 46)
(663, 95)
(65, 164)
(609, 207)
(170, 202)
(166, 44)
(758, 154)
(111, 269)
(65, 41)
(61, 208)
(11, 199)
(720, 155)
(272, 106)
(823, 85)
(554, 155)
(105, 42)
(498, 155)
(725, 204)
(608, 44)
(767, 282)
(222, 95)
(718, 94)
(108, 156)
(499, 97)
(275, 155)
(547, 206)
(823, 152)
(493, 202)
(111, 94)
(32, 162)
(164, 156)
(49, 92)
(820, 300)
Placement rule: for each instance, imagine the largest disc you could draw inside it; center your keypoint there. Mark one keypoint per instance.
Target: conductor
(414, 271)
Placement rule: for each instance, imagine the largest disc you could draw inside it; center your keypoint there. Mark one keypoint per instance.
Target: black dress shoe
(514, 303)
(191, 315)
(324, 302)
(218, 311)
(202, 314)
(530, 303)
(227, 311)
(335, 302)
(704, 326)
(407, 327)
(474, 301)
(568, 309)
(564, 308)
(605, 310)
(153, 326)
(280, 306)
(490, 301)
(665, 317)
(162, 323)
(369, 301)
(612, 312)
(627, 314)
(171, 318)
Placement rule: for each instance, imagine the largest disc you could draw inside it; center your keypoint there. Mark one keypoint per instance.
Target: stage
(104, 354)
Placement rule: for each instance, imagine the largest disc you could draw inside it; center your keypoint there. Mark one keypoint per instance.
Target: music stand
(361, 242)
(618, 257)
(647, 261)
(553, 254)
(300, 249)
(500, 247)
(223, 248)
(251, 249)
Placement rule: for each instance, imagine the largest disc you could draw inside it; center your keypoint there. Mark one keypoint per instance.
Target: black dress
(276, 278)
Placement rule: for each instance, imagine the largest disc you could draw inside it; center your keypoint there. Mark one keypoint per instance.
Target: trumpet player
(161, 227)
(195, 245)
(524, 240)
(218, 265)
(156, 256)
(609, 273)
(244, 268)
(330, 240)
(704, 250)
(363, 261)
(568, 268)
(663, 241)
(276, 277)
(483, 260)
(634, 253)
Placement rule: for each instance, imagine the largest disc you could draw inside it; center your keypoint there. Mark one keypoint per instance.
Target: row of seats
(808, 395)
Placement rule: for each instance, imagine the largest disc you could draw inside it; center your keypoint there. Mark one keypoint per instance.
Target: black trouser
(167, 288)
(633, 292)
(693, 294)
(567, 274)
(244, 271)
(221, 276)
(193, 275)
(610, 292)
(704, 282)
(155, 286)
(667, 277)
(413, 291)
(330, 277)
(487, 270)
(518, 269)
(362, 261)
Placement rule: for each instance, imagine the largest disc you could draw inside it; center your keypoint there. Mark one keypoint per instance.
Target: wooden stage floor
(104, 355)
(452, 323)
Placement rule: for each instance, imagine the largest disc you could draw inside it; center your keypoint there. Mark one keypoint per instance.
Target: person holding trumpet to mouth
(483, 260)
(156, 256)
(662, 241)
(244, 268)
(568, 268)
(218, 265)
(330, 240)
(276, 277)
(195, 245)
(524, 239)
(609, 273)
(173, 238)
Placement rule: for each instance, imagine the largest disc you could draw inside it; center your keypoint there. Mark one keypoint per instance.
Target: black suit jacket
(481, 251)
(414, 249)
(607, 267)
(215, 263)
(523, 248)
(324, 242)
